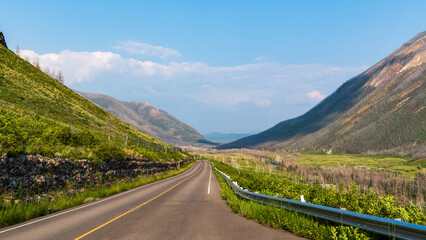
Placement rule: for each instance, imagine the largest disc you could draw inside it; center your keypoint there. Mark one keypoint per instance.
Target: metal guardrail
(386, 226)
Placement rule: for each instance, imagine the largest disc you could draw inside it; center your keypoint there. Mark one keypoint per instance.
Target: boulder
(2, 40)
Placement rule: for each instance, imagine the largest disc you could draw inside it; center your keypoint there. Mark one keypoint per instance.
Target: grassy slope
(41, 115)
(382, 108)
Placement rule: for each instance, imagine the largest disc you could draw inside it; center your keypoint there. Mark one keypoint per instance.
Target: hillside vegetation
(39, 115)
(381, 110)
(337, 197)
(385, 175)
(157, 123)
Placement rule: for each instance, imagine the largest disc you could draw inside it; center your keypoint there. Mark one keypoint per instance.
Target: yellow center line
(133, 209)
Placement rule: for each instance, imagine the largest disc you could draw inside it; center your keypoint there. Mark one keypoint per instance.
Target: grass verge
(16, 212)
(337, 197)
(299, 224)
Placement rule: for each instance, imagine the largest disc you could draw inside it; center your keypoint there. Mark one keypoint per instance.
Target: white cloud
(316, 95)
(257, 84)
(134, 47)
(262, 102)
(77, 66)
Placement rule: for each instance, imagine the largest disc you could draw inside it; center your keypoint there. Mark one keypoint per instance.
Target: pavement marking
(133, 209)
(96, 202)
(210, 180)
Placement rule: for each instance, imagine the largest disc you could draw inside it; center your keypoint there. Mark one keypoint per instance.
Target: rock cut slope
(381, 110)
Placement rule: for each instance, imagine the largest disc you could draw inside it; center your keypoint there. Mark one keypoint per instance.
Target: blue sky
(228, 66)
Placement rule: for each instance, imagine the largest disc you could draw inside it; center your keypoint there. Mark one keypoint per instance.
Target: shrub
(109, 151)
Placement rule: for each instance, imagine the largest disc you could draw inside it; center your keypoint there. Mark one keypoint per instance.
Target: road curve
(181, 207)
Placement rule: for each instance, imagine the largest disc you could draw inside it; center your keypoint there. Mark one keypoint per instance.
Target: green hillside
(39, 115)
(157, 123)
(381, 111)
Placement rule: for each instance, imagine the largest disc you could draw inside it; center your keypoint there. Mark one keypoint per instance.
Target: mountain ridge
(155, 122)
(362, 103)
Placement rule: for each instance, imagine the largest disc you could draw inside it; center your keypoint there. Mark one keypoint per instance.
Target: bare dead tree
(60, 77)
(36, 63)
(53, 74)
(47, 70)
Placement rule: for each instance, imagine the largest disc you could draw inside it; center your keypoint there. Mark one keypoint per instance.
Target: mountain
(39, 115)
(155, 122)
(381, 110)
(225, 137)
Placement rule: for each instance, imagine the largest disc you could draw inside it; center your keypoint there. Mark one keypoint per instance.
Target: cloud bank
(267, 89)
(257, 83)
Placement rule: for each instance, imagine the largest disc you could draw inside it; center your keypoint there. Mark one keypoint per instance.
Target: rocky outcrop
(36, 174)
(2, 40)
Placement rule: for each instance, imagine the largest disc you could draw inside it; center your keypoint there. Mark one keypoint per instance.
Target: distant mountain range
(225, 137)
(153, 121)
(381, 110)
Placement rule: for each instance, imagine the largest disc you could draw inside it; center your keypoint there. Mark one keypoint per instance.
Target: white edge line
(96, 202)
(210, 179)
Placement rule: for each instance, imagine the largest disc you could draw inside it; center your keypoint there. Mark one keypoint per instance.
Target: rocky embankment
(31, 174)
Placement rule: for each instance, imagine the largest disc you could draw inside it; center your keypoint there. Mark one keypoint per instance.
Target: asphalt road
(187, 206)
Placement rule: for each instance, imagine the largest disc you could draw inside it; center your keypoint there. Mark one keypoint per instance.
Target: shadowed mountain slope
(382, 109)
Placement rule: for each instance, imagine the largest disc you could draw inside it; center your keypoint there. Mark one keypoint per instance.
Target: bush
(109, 151)
(300, 224)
